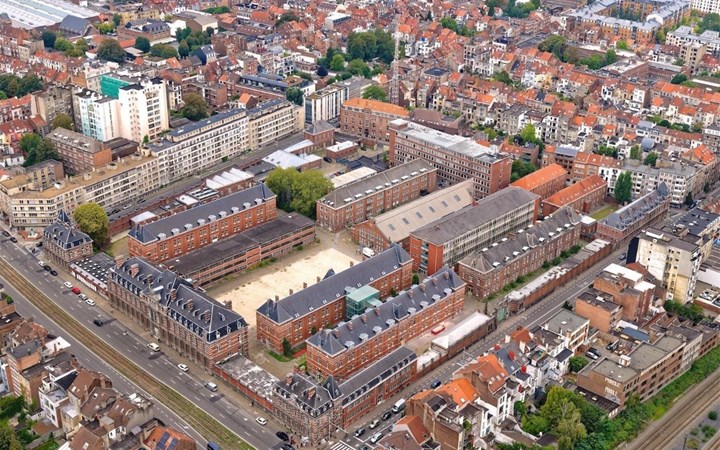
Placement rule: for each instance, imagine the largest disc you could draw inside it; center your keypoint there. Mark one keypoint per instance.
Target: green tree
(287, 348)
(358, 67)
(577, 363)
(110, 50)
(281, 182)
(528, 133)
(504, 77)
(288, 16)
(63, 45)
(195, 107)
(117, 19)
(28, 84)
(635, 152)
(554, 44)
(218, 10)
(142, 43)
(651, 159)
(183, 49)
(535, 424)
(623, 188)
(62, 120)
(105, 28)
(689, 201)
(660, 36)
(92, 219)
(295, 95)
(298, 191)
(337, 63)
(610, 56)
(49, 37)
(449, 23)
(679, 78)
(375, 92)
(521, 168)
(8, 439)
(322, 72)
(36, 149)
(163, 51)
(709, 22)
(622, 45)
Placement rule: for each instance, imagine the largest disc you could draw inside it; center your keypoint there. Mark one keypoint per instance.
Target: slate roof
(64, 233)
(379, 319)
(190, 308)
(228, 206)
(74, 26)
(334, 286)
(635, 211)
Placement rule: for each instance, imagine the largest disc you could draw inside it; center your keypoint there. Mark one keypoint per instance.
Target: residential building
(628, 288)
(63, 244)
(79, 153)
(369, 119)
(498, 264)
(544, 182)
(143, 110)
(407, 433)
(585, 164)
(317, 306)
(17, 42)
(175, 313)
(680, 177)
(451, 238)
(600, 308)
(355, 202)
(582, 196)
(53, 394)
(488, 377)
(97, 116)
(326, 103)
(574, 328)
(684, 36)
(151, 29)
(51, 102)
(198, 227)
(365, 338)
(379, 232)
(273, 120)
(456, 158)
(628, 220)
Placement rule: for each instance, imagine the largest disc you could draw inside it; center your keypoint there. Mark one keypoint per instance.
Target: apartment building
(628, 288)
(380, 231)
(153, 30)
(17, 42)
(572, 327)
(64, 244)
(453, 237)
(143, 109)
(628, 220)
(97, 116)
(198, 227)
(369, 119)
(326, 103)
(599, 308)
(355, 202)
(301, 314)
(175, 313)
(585, 164)
(79, 153)
(365, 338)
(680, 178)
(498, 264)
(583, 196)
(544, 182)
(684, 36)
(273, 120)
(456, 158)
(52, 101)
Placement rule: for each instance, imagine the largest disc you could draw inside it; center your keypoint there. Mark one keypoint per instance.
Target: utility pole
(395, 80)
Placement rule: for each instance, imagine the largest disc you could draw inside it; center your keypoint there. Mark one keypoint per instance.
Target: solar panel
(161, 443)
(173, 444)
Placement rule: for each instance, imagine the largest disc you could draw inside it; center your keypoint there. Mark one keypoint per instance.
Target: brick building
(489, 270)
(456, 158)
(586, 164)
(153, 30)
(543, 182)
(301, 314)
(582, 196)
(451, 238)
(79, 153)
(64, 244)
(368, 119)
(202, 225)
(175, 313)
(355, 202)
(630, 219)
(320, 133)
(628, 289)
(599, 308)
(379, 232)
(363, 339)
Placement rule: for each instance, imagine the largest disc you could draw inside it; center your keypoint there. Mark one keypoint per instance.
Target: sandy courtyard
(249, 290)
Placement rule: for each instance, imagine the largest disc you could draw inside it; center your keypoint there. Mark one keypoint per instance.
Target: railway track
(202, 422)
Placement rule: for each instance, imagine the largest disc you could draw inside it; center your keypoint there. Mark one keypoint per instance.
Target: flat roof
(38, 13)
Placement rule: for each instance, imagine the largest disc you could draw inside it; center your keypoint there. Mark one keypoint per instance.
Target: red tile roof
(540, 177)
(576, 191)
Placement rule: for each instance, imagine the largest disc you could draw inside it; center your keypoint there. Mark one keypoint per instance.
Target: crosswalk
(341, 446)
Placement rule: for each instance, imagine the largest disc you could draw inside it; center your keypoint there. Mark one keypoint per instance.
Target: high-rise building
(143, 110)
(96, 115)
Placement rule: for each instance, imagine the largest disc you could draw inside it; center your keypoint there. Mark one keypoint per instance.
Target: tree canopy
(295, 95)
(117, 19)
(651, 159)
(36, 149)
(521, 168)
(92, 219)
(163, 51)
(195, 107)
(298, 191)
(375, 92)
(49, 37)
(369, 45)
(183, 49)
(62, 120)
(110, 50)
(577, 363)
(14, 86)
(142, 43)
(623, 188)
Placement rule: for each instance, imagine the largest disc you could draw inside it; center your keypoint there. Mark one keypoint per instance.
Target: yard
(604, 212)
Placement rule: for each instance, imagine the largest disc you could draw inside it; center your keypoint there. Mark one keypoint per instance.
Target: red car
(76, 290)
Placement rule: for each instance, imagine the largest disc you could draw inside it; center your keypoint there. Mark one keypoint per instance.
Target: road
(191, 384)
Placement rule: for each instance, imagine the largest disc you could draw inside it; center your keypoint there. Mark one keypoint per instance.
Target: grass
(279, 357)
(49, 445)
(119, 247)
(606, 211)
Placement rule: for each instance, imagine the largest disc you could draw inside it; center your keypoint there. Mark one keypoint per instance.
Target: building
(681, 175)
(325, 104)
(301, 314)
(198, 227)
(628, 220)
(96, 116)
(144, 112)
(16, 42)
(456, 158)
(628, 289)
(51, 102)
(355, 202)
(369, 119)
(315, 412)
(63, 244)
(273, 120)
(175, 313)
(599, 308)
(572, 327)
(32, 14)
(394, 227)
(684, 36)
(582, 196)
(544, 182)
(451, 238)
(151, 29)
(366, 337)
(498, 264)
(79, 153)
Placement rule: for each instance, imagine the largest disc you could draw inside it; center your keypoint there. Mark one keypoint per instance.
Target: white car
(374, 424)
(261, 421)
(41, 263)
(90, 302)
(83, 297)
(68, 284)
(183, 367)
(154, 347)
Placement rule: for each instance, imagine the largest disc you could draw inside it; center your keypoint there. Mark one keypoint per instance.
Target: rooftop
(39, 13)
(449, 142)
(576, 190)
(565, 321)
(540, 177)
(78, 140)
(636, 211)
(376, 106)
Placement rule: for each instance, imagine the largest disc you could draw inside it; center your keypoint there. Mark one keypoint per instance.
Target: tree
(322, 72)
(651, 159)
(635, 152)
(622, 45)
(62, 120)
(375, 92)
(105, 28)
(288, 16)
(563, 417)
(92, 219)
(449, 23)
(577, 363)
(63, 45)
(358, 67)
(183, 49)
(660, 36)
(281, 182)
(163, 51)
(28, 84)
(142, 43)
(623, 188)
(689, 201)
(117, 19)
(287, 348)
(504, 77)
(298, 191)
(521, 168)
(49, 37)
(295, 95)
(679, 78)
(337, 63)
(36, 149)
(110, 50)
(8, 439)
(610, 56)
(195, 107)
(528, 133)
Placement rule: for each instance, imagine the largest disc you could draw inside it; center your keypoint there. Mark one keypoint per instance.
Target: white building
(144, 110)
(96, 115)
(325, 104)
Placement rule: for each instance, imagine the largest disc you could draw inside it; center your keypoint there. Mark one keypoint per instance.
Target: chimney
(291, 292)
(120, 260)
(446, 275)
(304, 285)
(364, 318)
(318, 280)
(350, 326)
(288, 379)
(134, 269)
(352, 263)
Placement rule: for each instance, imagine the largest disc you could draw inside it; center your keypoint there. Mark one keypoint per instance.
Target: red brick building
(582, 196)
(355, 202)
(342, 351)
(320, 133)
(586, 164)
(301, 314)
(630, 219)
(543, 182)
(64, 243)
(368, 119)
(202, 225)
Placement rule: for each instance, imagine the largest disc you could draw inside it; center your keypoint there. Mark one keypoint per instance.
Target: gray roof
(64, 233)
(376, 373)
(333, 287)
(467, 219)
(225, 206)
(635, 211)
(190, 308)
(379, 319)
(76, 26)
(565, 321)
(696, 222)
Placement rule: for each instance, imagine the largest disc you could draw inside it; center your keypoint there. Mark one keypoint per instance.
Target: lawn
(119, 247)
(49, 445)
(603, 213)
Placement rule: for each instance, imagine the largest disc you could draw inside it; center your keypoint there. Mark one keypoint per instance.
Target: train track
(689, 413)
(202, 422)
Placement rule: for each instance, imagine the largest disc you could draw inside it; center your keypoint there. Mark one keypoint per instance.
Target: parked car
(287, 447)
(359, 432)
(39, 244)
(90, 302)
(212, 387)
(13, 239)
(183, 367)
(98, 322)
(435, 384)
(156, 348)
(591, 355)
(75, 290)
(53, 273)
(68, 285)
(375, 438)
(5, 233)
(261, 420)
(623, 257)
(594, 350)
(283, 436)
(41, 263)
(386, 415)
(83, 297)
(47, 268)
(374, 424)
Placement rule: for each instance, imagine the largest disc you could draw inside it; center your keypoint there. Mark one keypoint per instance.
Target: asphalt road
(190, 384)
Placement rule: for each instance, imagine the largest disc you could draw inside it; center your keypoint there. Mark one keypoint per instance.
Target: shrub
(713, 415)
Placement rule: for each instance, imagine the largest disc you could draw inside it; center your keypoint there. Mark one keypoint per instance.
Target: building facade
(273, 120)
(96, 116)
(326, 103)
(628, 220)
(143, 110)
(543, 182)
(583, 196)
(79, 153)
(64, 244)
(368, 119)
